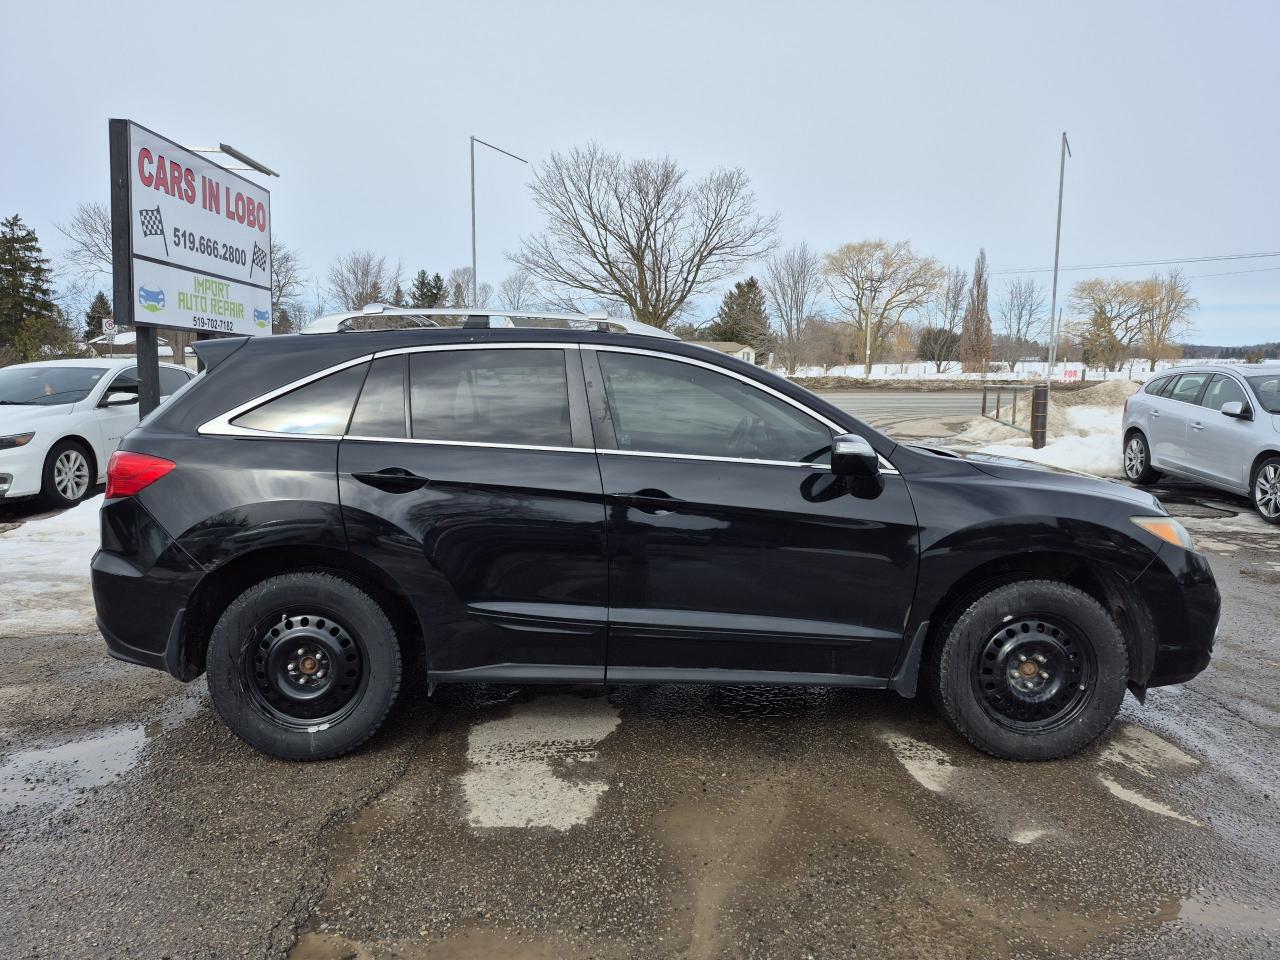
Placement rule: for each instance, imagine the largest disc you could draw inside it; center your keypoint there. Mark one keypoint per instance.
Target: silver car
(1218, 425)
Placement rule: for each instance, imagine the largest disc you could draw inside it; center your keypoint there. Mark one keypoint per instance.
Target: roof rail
(378, 316)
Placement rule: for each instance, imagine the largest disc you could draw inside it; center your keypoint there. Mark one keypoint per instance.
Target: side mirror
(853, 456)
(1236, 410)
(119, 398)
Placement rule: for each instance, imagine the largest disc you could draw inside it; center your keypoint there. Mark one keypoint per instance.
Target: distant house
(728, 346)
(126, 345)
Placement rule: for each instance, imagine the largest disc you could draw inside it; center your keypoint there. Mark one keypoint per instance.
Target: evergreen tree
(398, 297)
(31, 325)
(98, 311)
(426, 292)
(742, 317)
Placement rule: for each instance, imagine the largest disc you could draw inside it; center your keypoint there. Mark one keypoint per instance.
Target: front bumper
(142, 581)
(1182, 596)
(21, 472)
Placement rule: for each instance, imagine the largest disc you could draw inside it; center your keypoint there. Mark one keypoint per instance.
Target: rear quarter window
(320, 408)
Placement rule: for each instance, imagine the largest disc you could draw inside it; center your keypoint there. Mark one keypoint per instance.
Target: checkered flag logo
(152, 225)
(259, 259)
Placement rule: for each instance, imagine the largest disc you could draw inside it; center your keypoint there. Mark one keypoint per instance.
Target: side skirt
(740, 677)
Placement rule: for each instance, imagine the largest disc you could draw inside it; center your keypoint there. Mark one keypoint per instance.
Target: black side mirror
(1237, 410)
(853, 456)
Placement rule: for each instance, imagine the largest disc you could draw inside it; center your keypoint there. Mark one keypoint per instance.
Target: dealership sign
(198, 236)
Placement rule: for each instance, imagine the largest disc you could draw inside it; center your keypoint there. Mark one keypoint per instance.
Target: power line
(1144, 263)
(1231, 273)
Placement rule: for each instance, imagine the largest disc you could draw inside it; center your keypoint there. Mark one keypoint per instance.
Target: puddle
(57, 776)
(516, 778)
(1236, 917)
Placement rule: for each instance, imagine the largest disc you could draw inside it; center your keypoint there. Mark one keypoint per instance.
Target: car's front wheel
(68, 475)
(1265, 489)
(304, 666)
(1031, 670)
(1137, 459)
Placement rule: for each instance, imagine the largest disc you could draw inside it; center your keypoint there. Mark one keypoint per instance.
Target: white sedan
(60, 421)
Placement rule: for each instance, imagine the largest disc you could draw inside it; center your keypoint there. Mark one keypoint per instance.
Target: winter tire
(1264, 489)
(1137, 459)
(1031, 670)
(304, 666)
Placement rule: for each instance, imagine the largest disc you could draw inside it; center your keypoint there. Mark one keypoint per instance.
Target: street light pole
(475, 286)
(1057, 246)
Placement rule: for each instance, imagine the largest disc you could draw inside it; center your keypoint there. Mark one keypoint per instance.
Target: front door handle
(1197, 426)
(393, 480)
(648, 500)
(1155, 413)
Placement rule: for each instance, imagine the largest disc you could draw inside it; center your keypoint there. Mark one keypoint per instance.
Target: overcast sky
(935, 122)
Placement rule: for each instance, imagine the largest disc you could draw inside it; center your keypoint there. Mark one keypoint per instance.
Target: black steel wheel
(1030, 670)
(1034, 673)
(307, 669)
(304, 666)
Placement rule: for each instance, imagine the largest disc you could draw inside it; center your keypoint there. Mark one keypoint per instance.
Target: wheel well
(1257, 462)
(219, 588)
(1131, 431)
(1117, 597)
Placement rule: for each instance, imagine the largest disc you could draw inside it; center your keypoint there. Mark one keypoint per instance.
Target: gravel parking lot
(648, 821)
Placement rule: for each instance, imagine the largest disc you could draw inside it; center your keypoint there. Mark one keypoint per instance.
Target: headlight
(1167, 529)
(17, 440)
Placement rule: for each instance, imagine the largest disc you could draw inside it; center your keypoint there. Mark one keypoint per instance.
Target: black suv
(581, 505)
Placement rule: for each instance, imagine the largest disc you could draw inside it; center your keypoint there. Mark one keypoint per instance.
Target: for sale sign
(199, 236)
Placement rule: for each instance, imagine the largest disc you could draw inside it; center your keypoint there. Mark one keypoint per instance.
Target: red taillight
(127, 473)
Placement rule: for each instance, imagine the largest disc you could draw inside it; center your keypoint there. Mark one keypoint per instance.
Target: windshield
(1268, 390)
(47, 386)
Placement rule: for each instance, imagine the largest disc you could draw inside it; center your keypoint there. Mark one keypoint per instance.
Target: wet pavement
(653, 821)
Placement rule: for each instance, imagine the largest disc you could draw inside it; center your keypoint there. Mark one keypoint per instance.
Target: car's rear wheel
(1031, 670)
(1137, 459)
(304, 666)
(68, 474)
(1265, 490)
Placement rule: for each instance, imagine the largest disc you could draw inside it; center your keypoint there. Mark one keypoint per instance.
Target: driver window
(1223, 389)
(665, 406)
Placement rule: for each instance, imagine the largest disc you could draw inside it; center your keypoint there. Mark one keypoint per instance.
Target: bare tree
(1166, 316)
(939, 341)
(1108, 314)
(518, 291)
(876, 285)
(637, 232)
(792, 285)
(287, 283)
(88, 235)
(1022, 316)
(360, 278)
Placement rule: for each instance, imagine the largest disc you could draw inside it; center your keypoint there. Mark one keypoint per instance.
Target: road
(649, 822)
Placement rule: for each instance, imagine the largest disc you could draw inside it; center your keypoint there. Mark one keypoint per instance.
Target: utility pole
(1057, 246)
(475, 284)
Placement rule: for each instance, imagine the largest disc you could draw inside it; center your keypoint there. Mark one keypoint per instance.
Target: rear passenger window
(380, 412)
(490, 396)
(320, 408)
(171, 381)
(1188, 387)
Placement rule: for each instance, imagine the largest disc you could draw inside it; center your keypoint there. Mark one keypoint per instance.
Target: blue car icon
(261, 317)
(152, 300)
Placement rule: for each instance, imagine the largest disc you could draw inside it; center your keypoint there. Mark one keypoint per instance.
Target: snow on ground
(1084, 432)
(44, 573)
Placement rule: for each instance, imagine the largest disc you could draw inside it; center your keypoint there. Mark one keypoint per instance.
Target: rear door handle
(393, 480)
(1155, 413)
(1197, 426)
(649, 500)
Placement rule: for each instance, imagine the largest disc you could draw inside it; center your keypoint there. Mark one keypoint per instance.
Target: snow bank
(44, 573)
(1083, 432)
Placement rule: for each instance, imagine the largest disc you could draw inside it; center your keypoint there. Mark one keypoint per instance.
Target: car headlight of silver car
(17, 440)
(1167, 529)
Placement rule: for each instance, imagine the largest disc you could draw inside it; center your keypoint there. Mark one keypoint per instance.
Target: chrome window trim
(466, 443)
(221, 425)
(885, 465)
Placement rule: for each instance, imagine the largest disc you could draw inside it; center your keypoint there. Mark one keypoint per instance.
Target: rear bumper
(1182, 595)
(142, 581)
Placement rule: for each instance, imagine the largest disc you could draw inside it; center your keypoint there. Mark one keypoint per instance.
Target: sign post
(190, 246)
